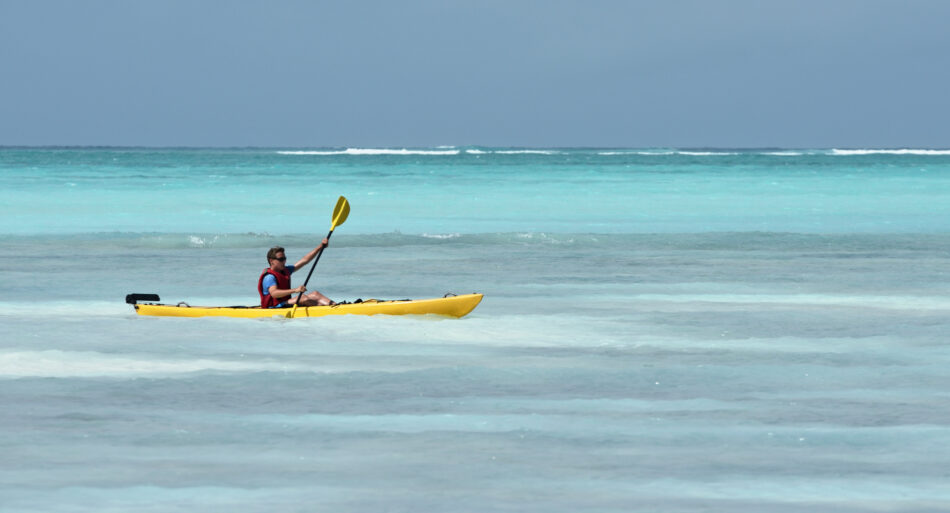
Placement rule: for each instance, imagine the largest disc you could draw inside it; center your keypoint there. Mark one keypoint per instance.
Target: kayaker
(274, 283)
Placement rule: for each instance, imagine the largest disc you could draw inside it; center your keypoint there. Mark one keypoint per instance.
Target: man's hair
(272, 253)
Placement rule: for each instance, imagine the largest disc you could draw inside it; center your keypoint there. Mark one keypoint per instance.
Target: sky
(423, 73)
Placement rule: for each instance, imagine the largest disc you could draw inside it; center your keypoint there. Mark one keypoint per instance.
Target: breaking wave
(906, 151)
(648, 152)
(372, 151)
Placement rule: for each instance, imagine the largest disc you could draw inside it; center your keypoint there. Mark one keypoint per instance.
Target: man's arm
(309, 256)
(279, 293)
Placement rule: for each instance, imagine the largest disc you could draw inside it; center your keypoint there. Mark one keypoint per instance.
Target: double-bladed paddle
(340, 212)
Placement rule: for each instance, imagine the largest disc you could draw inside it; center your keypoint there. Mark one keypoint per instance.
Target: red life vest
(283, 282)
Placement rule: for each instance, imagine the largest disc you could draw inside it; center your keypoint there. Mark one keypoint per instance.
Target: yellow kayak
(451, 306)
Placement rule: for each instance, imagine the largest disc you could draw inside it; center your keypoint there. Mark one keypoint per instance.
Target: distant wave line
(370, 151)
(903, 151)
(661, 153)
(526, 152)
(451, 151)
(405, 151)
(637, 152)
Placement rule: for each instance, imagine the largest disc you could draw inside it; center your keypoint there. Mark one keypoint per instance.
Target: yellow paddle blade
(340, 212)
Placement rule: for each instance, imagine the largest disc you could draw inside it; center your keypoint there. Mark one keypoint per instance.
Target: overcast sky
(815, 74)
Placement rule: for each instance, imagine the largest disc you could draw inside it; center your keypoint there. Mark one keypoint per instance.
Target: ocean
(663, 330)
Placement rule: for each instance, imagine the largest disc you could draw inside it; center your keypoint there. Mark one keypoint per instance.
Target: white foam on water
(61, 309)
(196, 241)
(707, 153)
(312, 152)
(526, 152)
(449, 150)
(154, 498)
(373, 151)
(86, 310)
(67, 364)
(58, 363)
(869, 494)
(902, 151)
(936, 303)
(651, 153)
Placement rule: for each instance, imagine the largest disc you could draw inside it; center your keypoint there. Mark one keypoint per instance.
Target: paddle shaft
(314, 266)
(340, 212)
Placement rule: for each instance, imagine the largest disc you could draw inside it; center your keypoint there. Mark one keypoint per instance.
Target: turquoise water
(457, 191)
(663, 330)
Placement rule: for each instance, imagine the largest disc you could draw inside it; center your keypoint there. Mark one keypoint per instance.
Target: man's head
(276, 253)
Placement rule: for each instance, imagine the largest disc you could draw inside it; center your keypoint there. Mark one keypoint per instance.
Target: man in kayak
(274, 283)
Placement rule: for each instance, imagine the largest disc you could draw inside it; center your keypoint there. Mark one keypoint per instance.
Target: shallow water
(651, 361)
